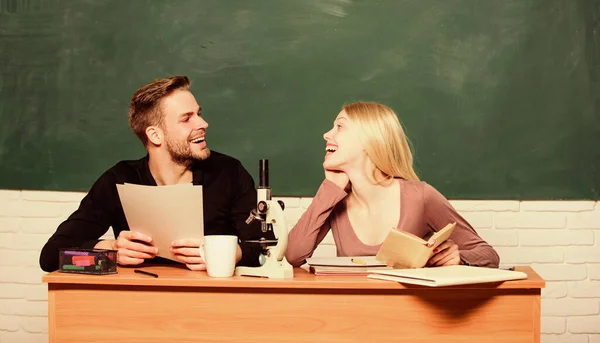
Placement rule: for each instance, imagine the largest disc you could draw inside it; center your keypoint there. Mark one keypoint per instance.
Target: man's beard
(182, 154)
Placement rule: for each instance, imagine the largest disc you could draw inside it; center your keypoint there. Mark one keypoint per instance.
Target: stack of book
(351, 265)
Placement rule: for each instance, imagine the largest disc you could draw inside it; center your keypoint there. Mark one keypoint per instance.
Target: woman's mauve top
(423, 210)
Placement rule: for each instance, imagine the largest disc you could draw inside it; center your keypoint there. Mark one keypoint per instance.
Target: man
(167, 119)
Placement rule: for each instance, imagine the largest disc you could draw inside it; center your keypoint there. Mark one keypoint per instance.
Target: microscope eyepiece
(263, 172)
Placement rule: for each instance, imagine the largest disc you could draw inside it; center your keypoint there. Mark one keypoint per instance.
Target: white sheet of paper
(447, 275)
(165, 213)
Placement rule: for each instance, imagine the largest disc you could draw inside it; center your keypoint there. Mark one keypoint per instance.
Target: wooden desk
(186, 306)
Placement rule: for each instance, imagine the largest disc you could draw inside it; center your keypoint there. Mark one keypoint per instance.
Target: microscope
(270, 214)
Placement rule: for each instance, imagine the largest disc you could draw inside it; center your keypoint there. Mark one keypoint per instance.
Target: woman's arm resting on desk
(473, 250)
(313, 226)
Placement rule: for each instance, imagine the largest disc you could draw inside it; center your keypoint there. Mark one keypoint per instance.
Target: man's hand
(188, 252)
(338, 177)
(446, 254)
(132, 247)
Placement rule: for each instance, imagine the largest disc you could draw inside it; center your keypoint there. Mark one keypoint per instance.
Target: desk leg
(537, 314)
(51, 314)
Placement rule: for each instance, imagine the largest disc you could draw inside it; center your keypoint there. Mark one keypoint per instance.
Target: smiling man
(167, 119)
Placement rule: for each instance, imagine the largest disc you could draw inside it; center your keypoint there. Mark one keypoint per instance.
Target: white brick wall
(559, 239)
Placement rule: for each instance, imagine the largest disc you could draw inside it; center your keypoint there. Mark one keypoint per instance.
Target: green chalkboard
(501, 99)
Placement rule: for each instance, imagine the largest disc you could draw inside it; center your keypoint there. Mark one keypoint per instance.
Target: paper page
(165, 213)
(442, 235)
(400, 252)
(448, 275)
(369, 261)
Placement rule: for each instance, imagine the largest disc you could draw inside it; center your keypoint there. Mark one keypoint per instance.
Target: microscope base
(272, 269)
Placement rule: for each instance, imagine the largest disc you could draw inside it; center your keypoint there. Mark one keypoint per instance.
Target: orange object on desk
(83, 260)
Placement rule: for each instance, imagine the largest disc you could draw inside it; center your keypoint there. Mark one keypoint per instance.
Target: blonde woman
(370, 186)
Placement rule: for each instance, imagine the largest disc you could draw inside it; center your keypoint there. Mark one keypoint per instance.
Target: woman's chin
(331, 166)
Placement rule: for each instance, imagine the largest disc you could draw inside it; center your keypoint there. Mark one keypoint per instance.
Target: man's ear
(155, 135)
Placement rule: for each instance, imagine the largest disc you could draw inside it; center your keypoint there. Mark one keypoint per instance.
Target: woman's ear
(155, 135)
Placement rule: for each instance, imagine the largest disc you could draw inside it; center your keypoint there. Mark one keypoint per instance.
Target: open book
(402, 249)
(446, 276)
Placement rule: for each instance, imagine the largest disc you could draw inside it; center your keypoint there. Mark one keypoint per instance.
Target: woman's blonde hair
(383, 138)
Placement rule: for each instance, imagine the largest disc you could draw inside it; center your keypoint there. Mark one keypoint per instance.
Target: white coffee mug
(218, 253)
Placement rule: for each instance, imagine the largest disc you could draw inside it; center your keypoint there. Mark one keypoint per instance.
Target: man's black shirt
(228, 196)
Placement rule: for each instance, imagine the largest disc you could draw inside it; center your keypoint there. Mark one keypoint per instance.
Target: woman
(370, 186)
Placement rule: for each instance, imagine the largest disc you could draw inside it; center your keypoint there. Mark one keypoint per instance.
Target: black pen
(507, 268)
(144, 272)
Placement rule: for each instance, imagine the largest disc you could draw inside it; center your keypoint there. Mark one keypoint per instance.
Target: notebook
(340, 271)
(346, 261)
(351, 265)
(446, 276)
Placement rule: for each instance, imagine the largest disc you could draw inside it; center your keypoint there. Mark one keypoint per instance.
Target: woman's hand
(338, 177)
(446, 254)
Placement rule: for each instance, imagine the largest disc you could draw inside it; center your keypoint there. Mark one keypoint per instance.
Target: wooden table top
(180, 276)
